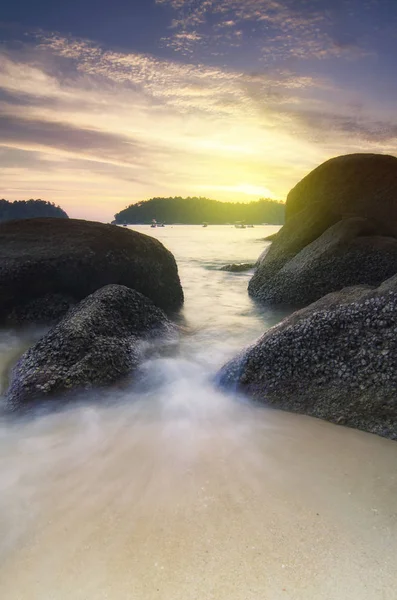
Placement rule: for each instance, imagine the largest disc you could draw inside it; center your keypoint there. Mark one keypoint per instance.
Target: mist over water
(170, 489)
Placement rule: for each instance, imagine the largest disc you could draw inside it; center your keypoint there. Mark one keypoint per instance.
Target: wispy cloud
(96, 129)
(278, 28)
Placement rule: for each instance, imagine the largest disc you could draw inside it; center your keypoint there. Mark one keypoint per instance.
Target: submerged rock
(48, 264)
(341, 221)
(336, 360)
(99, 342)
(237, 267)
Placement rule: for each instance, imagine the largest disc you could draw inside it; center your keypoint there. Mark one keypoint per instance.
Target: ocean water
(171, 490)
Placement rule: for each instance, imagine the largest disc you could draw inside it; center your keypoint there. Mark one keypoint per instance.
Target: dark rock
(48, 309)
(353, 185)
(345, 254)
(68, 259)
(290, 240)
(271, 237)
(99, 342)
(335, 359)
(344, 189)
(237, 267)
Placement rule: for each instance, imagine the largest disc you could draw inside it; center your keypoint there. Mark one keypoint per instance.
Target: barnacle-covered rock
(340, 230)
(335, 359)
(99, 342)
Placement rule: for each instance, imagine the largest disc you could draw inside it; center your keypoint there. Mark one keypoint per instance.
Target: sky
(103, 104)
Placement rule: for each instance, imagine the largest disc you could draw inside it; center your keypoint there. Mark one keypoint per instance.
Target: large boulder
(335, 359)
(356, 186)
(47, 265)
(353, 185)
(348, 253)
(99, 342)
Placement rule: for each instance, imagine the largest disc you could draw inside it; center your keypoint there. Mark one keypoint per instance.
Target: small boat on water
(160, 224)
(124, 224)
(205, 224)
(239, 225)
(154, 223)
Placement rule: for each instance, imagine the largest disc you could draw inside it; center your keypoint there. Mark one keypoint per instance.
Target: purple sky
(103, 104)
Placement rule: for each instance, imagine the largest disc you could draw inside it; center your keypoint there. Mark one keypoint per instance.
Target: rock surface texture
(47, 265)
(340, 230)
(335, 359)
(99, 342)
(360, 185)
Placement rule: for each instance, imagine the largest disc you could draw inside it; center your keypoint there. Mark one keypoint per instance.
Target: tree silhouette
(28, 209)
(193, 211)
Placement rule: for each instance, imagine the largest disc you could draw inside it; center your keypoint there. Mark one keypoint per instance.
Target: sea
(171, 489)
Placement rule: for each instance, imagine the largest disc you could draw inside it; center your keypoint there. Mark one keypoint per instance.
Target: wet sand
(174, 503)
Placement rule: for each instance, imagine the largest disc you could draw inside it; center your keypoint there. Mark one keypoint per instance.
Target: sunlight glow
(95, 130)
(243, 188)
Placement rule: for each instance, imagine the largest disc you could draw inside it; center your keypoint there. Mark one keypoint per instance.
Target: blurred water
(172, 490)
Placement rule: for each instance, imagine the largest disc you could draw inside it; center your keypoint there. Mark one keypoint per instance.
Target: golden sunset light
(94, 128)
(198, 300)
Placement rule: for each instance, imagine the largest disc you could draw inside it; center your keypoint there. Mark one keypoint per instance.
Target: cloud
(65, 137)
(94, 129)
(361, 128)
(280, 29)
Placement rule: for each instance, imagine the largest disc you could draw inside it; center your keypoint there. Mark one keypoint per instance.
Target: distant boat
(239, 225)
(251, 226)
(154, 223)
(205, 224)
(124, 224)
(160, 224)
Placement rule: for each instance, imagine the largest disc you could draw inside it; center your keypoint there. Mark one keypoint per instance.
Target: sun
(234, 192)
(253, 190)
